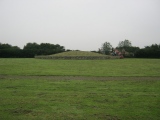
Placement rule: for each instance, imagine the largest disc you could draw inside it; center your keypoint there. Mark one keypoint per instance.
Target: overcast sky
(80, 24)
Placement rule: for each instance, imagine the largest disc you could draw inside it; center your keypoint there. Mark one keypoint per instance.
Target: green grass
(117, 67)
(31, 90)
(41, 99)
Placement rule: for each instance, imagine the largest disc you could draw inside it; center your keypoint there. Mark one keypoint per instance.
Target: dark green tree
(152, 51)
(9, 51)
(32, 49)
(125, 43)
(106, 48)
(126, 48)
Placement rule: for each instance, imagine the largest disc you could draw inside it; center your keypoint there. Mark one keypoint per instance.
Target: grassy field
(35, 89)
(117, 67)
(41, 99)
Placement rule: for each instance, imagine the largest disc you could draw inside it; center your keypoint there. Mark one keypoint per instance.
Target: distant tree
(152, 51)
(5, 46)
(106, 48)
(32, 49)
(29, 50)
(126, 48)
(125, 43)
(31, 46)
(9, 51)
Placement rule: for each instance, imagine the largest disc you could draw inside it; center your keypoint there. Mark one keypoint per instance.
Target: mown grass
(117, 67)
(41, 99)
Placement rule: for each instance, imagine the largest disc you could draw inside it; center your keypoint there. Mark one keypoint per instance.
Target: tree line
(29, 50)
(32, 49)
(152, 51)
(127, 50)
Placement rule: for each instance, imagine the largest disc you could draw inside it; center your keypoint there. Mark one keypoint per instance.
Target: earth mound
(77, 55)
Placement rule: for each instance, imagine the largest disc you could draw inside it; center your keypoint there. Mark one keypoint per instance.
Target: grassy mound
(77, 55)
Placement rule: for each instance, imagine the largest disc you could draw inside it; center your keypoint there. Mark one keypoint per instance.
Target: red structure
(117, 53)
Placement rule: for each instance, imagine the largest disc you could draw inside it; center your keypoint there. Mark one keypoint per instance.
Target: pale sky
(80, 24)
